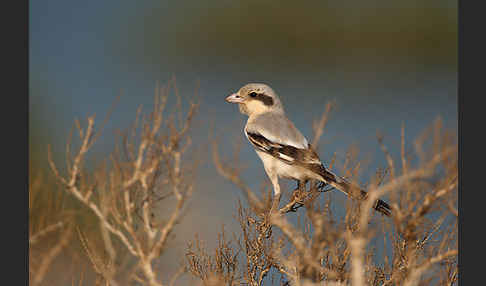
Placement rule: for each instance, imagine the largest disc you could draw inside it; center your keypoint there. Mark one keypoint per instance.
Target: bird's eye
(253, 94)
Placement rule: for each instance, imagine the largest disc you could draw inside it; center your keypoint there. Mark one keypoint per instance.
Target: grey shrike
(284, 151)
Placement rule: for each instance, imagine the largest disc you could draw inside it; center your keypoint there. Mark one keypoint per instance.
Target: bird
(283, 150)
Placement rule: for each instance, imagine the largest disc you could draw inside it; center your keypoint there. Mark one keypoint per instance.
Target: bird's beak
(234, 98)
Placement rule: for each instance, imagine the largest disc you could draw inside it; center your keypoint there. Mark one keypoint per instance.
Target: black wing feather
(292, 155)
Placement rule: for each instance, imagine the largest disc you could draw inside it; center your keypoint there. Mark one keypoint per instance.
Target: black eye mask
(267, 100)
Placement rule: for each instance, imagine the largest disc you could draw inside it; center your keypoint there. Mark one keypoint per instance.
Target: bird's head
(256, 98)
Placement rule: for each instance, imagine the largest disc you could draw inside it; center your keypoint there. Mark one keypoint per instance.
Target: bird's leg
(275, 203)
(301, 185)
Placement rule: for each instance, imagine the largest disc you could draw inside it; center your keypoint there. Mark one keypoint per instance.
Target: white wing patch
(285, 141)
(285, 157)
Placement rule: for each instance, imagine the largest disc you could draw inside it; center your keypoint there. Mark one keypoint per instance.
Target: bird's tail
(347, 188)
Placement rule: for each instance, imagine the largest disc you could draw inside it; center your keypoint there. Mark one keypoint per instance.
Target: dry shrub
(305, 243)
(216, 269)
(146, 169)
(418, 243)
(50, 228)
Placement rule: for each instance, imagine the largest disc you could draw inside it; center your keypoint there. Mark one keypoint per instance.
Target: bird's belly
(282, 169)
(291, 172)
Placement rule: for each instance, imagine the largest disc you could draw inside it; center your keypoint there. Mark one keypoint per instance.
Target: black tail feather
(383, 207)
(345, 187)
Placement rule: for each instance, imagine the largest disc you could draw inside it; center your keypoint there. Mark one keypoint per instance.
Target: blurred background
(383, 63)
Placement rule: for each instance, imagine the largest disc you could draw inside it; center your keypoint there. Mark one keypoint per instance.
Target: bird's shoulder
(276, 128)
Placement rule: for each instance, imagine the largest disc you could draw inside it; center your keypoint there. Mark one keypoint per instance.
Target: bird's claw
(295, 207)
(323, 187)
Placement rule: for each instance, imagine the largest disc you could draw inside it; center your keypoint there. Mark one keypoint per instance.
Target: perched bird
(284, 151)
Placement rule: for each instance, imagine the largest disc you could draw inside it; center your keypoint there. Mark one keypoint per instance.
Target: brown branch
(299, 242)
(48, 258)
(389, 158)
(321, 124)
(232, 175)
(33, 239)
(416, 273)
(71, 185)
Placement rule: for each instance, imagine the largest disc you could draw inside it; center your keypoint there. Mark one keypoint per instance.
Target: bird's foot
(295, 207)
(323, 187)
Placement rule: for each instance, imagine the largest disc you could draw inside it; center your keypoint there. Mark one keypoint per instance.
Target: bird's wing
(277, 128)
(274, 134)
(287, 153)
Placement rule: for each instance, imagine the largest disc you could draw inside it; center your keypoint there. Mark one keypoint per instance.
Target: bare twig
(48, 229)
(49, 257)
